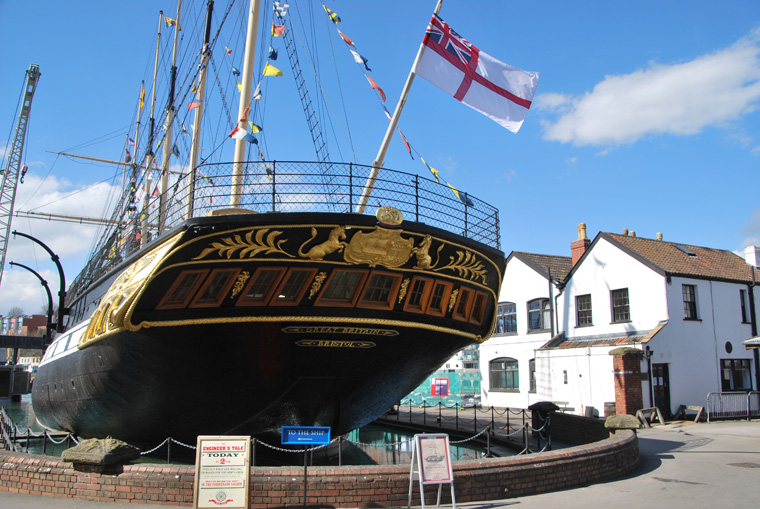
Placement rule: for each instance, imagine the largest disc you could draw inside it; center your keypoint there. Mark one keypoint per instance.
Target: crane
(12, 171)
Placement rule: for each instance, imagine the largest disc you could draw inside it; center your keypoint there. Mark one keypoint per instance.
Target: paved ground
(682, 465)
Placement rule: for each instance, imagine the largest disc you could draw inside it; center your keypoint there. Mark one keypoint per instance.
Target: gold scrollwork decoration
(466, 265)
(240, 283)
(453, 299)
(403, 290)
(248, 246)
(317, 284)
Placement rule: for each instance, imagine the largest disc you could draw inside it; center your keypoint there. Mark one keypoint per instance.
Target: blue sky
(645, 115)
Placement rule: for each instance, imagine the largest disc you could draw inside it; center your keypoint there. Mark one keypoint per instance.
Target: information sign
(431, 464)
(314, 435)
(222, 472)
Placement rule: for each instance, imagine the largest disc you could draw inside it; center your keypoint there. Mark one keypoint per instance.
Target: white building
(689, 308)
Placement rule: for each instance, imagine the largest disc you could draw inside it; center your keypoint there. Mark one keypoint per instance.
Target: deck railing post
(416, 198)
(274, 185)
(350, 186)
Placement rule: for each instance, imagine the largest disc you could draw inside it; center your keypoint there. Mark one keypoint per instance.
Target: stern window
(182, 290)
(215, 288)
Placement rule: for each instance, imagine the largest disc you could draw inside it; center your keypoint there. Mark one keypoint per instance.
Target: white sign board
(431, 464)
(222, 472)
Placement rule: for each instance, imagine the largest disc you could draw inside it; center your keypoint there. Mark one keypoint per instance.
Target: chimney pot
(631, 233)
(659, 235)
(625, 231)
(582, 231)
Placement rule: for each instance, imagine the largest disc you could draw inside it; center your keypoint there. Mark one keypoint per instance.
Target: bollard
(44, 442)
(253, 452)
(169, 451)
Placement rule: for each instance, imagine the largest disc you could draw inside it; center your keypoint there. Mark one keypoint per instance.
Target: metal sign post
(432, 458)
(305, 435)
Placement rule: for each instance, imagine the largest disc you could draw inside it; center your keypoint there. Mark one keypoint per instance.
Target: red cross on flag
(498, 90)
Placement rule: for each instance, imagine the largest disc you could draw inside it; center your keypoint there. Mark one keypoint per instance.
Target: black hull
(145, 370)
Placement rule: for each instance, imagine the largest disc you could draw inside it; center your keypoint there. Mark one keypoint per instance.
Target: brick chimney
(578, 247)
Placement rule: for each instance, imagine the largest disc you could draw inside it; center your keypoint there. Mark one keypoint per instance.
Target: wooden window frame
(198, 303)
(351, 301)
(464, 293)
(477, 320)
(190, 293)
(275, 301)
(427, 291)
(448, 289)
(244, 301)
(392, 294)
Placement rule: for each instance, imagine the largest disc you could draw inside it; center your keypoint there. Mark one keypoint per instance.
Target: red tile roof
(675, 259)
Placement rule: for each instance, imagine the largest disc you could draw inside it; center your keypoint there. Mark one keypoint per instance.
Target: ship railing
(291, 186)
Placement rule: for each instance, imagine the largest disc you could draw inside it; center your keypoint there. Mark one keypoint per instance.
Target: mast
(151, 133)
(238, 167)
(380, 159)
(200, 96)
(168, 143)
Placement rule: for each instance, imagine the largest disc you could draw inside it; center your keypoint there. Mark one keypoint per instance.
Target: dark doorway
(661, 386)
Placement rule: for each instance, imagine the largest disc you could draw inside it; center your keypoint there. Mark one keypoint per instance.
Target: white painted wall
(521, 284)
(608, 268)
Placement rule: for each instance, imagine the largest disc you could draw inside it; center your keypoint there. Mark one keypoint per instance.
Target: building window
(506, 318)
(532, 371)
(583, 310)
(539, 314)
(690, 302)
(504, 374)
(620, 309)
(745, 306)
(736, 375)
(439, 387)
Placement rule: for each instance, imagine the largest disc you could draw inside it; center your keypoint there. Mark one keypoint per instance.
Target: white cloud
(72, 242)
(678, 99)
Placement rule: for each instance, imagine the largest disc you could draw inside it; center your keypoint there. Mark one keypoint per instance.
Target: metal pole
(378, 163)
(305, 471)
(49, 326)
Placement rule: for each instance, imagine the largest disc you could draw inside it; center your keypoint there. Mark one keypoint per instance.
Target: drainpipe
(551, 301)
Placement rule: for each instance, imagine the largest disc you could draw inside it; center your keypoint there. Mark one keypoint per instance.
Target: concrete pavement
(682, 465)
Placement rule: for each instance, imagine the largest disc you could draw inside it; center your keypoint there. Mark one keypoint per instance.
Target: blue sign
(318, 435)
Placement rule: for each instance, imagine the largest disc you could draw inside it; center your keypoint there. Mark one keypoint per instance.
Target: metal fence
(285, 186)
(733, 405)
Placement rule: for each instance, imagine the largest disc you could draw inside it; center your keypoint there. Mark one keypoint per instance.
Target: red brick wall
(627, 373)
(349, 486)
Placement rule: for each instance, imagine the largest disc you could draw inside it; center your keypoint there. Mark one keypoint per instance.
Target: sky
(645, 116)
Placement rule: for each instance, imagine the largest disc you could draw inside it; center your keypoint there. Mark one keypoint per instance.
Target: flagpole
(168, 143)
(380, 159)
(200, 96)
(238, 168)
(150, 156)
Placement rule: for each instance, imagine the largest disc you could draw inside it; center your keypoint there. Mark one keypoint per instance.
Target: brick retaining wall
(347, 486)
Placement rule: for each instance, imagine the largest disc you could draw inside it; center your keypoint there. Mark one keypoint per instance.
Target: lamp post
(49, 326)
(62, 310)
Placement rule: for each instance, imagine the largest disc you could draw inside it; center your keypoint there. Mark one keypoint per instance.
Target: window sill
(692, 319)
(502, 334)
(505, 390)
(583, 326)
(621, 321)
(538, 331)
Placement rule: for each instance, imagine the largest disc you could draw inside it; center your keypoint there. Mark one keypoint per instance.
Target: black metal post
(62, 311)
(416, 198)
(253, 452)
(456, 411)
(475, 418)
(492, 421)
(340, 451)
(274, 185)
(169, 451)
(350, 187)
(305, 471)
(440, 417)
(44, 442)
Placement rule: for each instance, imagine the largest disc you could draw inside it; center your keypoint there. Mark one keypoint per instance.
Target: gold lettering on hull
(339, 330)
(325, 343)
